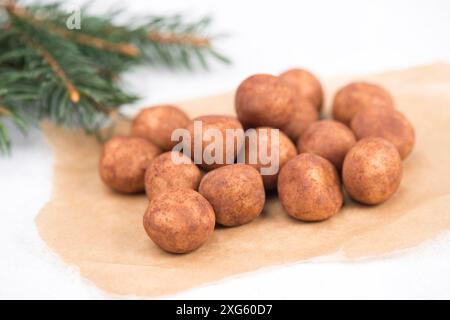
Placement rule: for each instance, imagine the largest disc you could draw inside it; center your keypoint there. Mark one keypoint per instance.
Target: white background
(328, 37)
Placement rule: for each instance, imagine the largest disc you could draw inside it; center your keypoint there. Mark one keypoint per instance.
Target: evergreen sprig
(71, 76)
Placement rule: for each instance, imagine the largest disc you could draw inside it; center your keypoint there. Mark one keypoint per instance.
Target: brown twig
(122, 48)
(87, 40)
(182, 39)
(74, 95)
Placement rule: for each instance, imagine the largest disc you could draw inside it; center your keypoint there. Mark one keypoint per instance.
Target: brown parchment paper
(101, 232)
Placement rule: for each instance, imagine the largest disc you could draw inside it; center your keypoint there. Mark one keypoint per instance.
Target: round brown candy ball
(303, 115)
(309, 188)
(164, 173)
(123, 163)
(385, 123)
(306, 85)
(328, 139)
(356, 96)
(179, 220)
(264, 100)
(220, 123)
(236, 193)
(286, 151)
(157, 123)
(372, 171)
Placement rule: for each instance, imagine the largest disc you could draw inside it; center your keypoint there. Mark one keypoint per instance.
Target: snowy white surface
(328, 37)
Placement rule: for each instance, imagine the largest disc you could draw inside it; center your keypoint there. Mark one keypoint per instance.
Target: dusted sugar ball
(156, 124)
(309, 188)
(328, 139)
(236, 193)
(179, 220)
(385, 123)
(304, 114)
(123, 163)
(211, 132)
(164, 173)
(259, 142)
(372, 171)
(306, 85)
(264, 100)
(356, 96)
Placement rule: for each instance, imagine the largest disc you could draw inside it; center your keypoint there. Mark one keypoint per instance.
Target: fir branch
(74, 95)
(72, 76)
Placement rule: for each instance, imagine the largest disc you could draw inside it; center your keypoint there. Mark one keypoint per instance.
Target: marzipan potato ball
(285, 148)
(123, 163)
(385, 123)
(157, 123)
(309, 188)
(264, 100)
(356, 96)
(306, 85)
(179, 220)
(328, 139)
(163, 173)
(236, 193)
(372, 171)
(221, 123)
(303, 115)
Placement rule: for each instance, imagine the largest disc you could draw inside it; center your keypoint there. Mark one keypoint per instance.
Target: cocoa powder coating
(385, 123)
(163, 174)
(285, 148)
(306, 85)
(304, 114)
(372, 171)
(309, 188)
(123, 163)
(179, 220)
(329, 139)
(356, 96)
(220, 123)
(236, 193)
(157, 123)
(264, 100)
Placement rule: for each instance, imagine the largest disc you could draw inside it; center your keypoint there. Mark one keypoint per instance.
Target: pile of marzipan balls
(363, 146)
